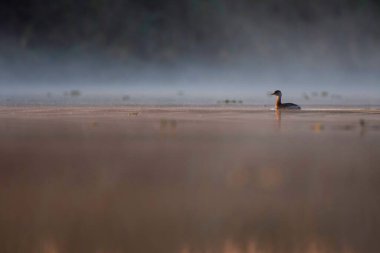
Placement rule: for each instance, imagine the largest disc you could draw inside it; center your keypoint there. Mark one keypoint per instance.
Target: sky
(217, 48)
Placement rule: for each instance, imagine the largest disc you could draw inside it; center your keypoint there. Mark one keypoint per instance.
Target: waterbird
(279, 105)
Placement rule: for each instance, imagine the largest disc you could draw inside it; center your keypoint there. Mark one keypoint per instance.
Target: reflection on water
(69, 185)
(278, 118)
(230, 246)
(317, 127)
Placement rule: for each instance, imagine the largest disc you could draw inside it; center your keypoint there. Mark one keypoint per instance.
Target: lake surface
(189, 180)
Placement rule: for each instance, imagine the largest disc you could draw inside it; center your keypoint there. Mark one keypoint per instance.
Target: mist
(183, 51)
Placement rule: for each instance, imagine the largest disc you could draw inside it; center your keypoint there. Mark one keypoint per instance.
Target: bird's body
(286, 106)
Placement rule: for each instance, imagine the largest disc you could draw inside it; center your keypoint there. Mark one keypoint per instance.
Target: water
(189, 179)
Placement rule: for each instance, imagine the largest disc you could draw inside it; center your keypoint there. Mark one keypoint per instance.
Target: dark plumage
(279, 105)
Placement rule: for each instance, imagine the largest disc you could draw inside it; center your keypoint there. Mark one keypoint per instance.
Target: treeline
(167, 29)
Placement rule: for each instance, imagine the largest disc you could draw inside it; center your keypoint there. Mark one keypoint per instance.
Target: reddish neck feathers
(278, 102)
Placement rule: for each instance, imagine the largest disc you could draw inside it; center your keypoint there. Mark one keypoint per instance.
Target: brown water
(184, 180)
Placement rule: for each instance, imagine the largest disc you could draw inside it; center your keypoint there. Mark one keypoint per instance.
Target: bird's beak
(273, 93)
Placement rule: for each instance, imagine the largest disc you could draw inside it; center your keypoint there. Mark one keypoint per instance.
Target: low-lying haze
(216, 49)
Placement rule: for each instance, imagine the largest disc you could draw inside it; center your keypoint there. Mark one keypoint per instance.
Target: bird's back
(290, 106)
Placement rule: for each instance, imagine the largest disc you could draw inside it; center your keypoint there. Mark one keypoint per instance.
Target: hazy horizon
(213, 49)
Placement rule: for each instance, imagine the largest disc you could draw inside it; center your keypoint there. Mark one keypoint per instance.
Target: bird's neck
(278, 101)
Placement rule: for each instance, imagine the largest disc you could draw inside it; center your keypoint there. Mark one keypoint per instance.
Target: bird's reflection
(278, 118)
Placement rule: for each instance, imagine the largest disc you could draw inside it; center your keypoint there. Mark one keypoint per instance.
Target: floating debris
(133, 113)
(230, 101)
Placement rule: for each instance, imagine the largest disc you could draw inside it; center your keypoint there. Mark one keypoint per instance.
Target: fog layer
(199, 47)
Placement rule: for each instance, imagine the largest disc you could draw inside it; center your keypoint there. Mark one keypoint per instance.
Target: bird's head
(277, 93)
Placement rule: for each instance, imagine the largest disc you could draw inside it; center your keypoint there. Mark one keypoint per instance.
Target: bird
(287, 106)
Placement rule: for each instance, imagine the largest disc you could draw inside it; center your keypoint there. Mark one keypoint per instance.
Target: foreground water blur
(188, 180)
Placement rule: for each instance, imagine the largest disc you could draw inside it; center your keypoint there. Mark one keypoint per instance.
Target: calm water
(188, 181)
